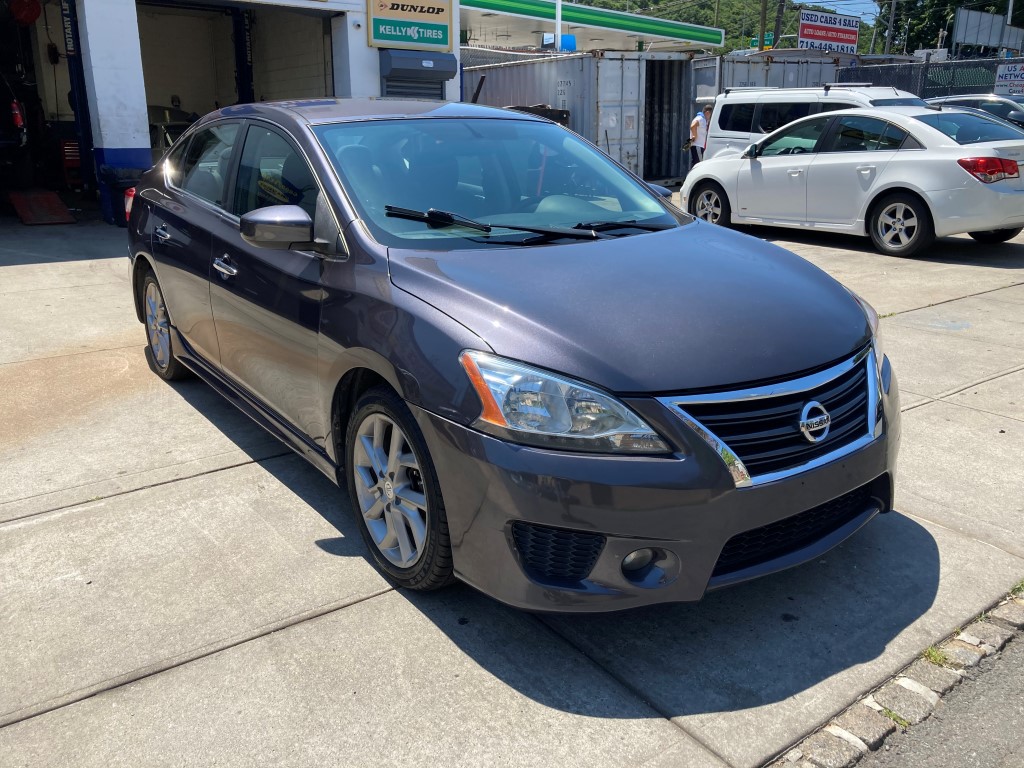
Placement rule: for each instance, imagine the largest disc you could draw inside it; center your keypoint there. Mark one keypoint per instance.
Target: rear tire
(900, 225)
(395, 494)
(159, 353)
(709, 202)
(992, 236)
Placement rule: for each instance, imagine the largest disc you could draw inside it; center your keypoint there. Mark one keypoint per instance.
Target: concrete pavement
(178, 589)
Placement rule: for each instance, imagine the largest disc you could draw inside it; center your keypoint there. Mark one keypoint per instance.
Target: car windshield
(970, 127)
(902, 101)
(500, 173)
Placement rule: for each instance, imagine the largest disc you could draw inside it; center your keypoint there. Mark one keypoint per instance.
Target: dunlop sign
(425, 25)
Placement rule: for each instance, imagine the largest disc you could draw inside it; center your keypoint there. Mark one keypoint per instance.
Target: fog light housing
(637, 560)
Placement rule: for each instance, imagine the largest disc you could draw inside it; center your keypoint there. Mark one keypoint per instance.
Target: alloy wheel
(708, 206)
(158, 326)
(897, 225)
(389, 490)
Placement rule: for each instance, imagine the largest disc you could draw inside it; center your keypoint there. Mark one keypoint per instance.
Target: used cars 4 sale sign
(829, 31)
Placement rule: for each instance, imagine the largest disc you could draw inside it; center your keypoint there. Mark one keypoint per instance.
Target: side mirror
(660, 190)
(752, 151)
(1016, 117)
(278, 227)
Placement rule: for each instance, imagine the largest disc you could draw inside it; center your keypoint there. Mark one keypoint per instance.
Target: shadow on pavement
(945, 250)
(59, 243)
(747, 646)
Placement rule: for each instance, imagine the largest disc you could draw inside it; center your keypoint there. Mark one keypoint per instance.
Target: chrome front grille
(757, 431)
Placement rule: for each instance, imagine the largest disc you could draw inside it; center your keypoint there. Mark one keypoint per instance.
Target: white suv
(744, 115)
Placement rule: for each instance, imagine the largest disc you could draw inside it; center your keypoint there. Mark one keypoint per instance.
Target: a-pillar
(116, 92)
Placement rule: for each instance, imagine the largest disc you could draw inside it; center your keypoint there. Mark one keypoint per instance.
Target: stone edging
(910, 696)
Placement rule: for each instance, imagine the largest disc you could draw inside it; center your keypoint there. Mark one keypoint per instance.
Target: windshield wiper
(603, 226)
(436, 218)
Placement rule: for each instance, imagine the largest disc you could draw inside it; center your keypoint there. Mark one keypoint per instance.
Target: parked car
(744, 115)
(1007, 107)
(901, 177)
(528, 370)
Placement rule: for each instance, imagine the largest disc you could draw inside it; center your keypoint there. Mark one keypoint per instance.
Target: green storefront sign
(419, 25)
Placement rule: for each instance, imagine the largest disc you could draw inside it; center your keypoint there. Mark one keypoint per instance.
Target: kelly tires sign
(828, 31)
(417, 26)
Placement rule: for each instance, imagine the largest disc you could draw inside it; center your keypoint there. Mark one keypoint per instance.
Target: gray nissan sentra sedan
(528, 370)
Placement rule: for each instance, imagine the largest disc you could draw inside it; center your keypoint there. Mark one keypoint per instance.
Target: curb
(911, 695)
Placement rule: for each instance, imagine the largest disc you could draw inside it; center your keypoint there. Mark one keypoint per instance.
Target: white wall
(290, 57)
(178, 56)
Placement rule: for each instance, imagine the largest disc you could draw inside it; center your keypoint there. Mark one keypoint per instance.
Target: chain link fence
(928, 79)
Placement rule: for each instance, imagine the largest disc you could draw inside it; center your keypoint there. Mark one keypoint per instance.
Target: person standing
(699, 134)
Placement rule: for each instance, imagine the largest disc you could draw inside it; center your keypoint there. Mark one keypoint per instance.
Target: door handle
(865, 168)
(222, 266)
(795, 171)
(161, 233)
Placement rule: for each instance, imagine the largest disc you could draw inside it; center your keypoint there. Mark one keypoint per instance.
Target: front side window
(272, 172)
(501, 173)
(796, 140)
(205, 164)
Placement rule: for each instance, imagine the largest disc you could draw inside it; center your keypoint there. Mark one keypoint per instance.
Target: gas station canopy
(521, 23)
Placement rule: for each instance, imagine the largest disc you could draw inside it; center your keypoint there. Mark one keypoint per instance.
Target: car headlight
(528, 405)
(876, 331)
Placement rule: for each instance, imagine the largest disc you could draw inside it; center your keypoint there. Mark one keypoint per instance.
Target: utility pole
(892, 23)
(778, 23)
(764, 23)
(715, 23)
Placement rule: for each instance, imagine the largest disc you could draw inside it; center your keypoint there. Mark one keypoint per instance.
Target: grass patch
(935, 656)
(1018, 589)
(896, 718)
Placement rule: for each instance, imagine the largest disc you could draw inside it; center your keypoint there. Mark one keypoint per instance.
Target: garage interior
(196, 58)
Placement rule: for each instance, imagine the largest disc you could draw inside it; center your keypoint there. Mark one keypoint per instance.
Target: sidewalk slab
(122, 587)
(752, 669)
(1003, 396)
(80, 427)
(932, 363)
(978, 318)
(951, 269)
(451, 679)
(967, 463)
(48, 277)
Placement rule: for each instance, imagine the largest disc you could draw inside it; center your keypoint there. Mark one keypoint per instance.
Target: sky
(863, 8)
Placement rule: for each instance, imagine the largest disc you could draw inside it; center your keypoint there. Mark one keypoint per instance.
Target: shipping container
(635, 106)
(790, 68)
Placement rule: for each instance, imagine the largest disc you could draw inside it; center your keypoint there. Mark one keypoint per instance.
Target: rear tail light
(17, 115)
(990, 169)
(129, 198)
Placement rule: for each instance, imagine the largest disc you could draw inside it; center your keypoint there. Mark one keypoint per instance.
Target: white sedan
(901, 176)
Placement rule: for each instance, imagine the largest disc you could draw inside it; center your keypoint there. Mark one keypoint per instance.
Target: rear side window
(737, 117)
(856, 133)
(831, 106)
(903, 101)
(204, 168)
(970, 128)
(775, 114)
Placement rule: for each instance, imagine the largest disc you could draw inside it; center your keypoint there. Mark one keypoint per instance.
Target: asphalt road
(979, 724)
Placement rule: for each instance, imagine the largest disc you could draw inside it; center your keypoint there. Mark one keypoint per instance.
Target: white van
(744, 115)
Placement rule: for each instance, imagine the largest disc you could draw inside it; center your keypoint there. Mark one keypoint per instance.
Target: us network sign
(1010, 79)
(829, 31)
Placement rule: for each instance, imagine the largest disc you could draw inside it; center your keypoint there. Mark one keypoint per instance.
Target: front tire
(708, 202)
(993, 236)
(900, 225)
(159, 355)
(394, 491)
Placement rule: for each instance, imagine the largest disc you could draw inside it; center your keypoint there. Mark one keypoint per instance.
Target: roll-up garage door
(415, 74)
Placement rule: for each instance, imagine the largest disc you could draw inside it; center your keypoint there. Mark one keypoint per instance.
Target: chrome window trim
(734, 465)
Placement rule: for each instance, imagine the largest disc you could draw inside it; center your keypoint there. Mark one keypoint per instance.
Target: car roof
(979, 96)
(330, 110)
(871, 91)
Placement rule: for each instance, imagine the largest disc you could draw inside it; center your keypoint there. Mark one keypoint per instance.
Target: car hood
(694, 307)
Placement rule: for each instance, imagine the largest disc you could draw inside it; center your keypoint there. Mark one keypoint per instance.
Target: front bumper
(685, 507)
